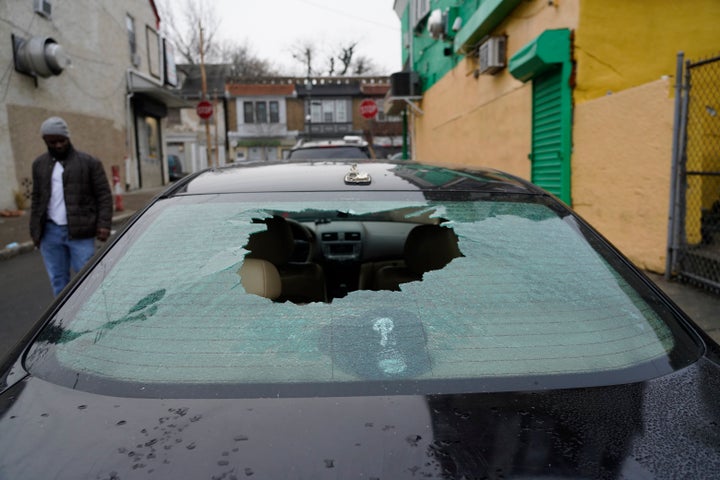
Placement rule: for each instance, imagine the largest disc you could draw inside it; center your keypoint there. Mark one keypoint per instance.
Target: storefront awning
(166, 96)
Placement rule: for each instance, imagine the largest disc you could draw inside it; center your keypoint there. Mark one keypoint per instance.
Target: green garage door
(547, 61)
(547, 161)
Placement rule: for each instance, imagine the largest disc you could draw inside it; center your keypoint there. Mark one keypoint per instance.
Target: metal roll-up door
(546, 157)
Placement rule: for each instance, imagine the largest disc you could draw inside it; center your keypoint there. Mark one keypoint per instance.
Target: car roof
(319, 176)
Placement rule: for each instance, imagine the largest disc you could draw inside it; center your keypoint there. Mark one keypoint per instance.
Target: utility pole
(204, 96)
(215, 125)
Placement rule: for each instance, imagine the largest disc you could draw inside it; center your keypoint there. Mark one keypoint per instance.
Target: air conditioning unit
(405, 84)
(43, 7)
(491, 55)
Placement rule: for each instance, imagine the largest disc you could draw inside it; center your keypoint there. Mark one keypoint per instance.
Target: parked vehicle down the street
(175, 170)
(349, 147)
(334, 319)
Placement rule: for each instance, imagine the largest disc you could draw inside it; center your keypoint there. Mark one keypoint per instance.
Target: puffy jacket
(88, 199)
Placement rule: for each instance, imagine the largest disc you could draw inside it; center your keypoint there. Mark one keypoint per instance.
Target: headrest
(274, 244)
(260, 277)
(430, 247)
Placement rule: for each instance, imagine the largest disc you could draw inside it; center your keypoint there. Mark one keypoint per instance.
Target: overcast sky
(271, 27)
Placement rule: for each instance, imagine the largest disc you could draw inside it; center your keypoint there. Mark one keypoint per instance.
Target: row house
(274, 114)
(104, 68)
(576, 96)
(265, 118)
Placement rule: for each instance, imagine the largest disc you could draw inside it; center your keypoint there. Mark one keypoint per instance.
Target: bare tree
(305, 53)
(181, 21)
(345, 61)
(243, 62)
(184, 31)
(364, 65)
(346, 57)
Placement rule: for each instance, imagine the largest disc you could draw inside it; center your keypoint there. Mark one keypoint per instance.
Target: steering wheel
(305, 241)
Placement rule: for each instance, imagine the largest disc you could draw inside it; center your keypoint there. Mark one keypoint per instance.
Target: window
(248, 111)
(328, 107)
(261, 112)
(341, 111)
(132, 39)
(418, 11)
(538, 309)
(316, 112)
(257, 112)
(153, 51)
(329, 111)
(274, 112)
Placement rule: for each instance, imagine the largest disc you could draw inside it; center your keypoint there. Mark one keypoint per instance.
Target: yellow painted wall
(621, 44)
(625, 53)
(621, 169)
(494, 133)
(486, 120)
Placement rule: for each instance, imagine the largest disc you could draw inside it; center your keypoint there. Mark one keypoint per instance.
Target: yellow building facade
(622, 58)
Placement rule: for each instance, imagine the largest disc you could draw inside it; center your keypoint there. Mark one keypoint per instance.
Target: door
(149, 153)
(547, 134)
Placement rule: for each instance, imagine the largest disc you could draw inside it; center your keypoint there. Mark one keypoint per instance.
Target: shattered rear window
(529, 297)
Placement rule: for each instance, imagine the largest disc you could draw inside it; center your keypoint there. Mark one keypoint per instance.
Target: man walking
(71, 204)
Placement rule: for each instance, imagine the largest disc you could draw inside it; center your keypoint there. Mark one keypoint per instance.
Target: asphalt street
(25, 294)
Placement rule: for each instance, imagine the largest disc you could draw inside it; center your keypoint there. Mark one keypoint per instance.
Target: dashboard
(350, 241)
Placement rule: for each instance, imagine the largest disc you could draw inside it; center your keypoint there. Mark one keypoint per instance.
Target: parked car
(175, 170)
(331, 319)
(349, 147)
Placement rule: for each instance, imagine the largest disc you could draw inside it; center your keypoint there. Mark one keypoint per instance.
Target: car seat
(260, 277)
(301, 282)
(427, 247)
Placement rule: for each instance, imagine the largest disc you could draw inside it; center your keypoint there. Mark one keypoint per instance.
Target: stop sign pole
(203, 77)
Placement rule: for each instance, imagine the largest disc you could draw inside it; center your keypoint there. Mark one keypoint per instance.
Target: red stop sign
(204, 109)
(368, 108)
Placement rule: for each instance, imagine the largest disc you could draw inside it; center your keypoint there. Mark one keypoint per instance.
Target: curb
(25, 247)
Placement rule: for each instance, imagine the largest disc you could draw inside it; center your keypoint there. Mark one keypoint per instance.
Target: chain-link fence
(694, 253)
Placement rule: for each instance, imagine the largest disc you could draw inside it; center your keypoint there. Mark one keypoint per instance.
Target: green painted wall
(433, 58)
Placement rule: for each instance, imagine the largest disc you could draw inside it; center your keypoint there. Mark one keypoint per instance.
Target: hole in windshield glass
(290, 261)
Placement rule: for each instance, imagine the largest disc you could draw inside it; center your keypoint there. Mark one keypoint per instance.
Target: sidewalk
(701, 306)
(15, 231)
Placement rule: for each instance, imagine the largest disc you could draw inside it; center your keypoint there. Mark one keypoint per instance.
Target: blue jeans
(60, 254)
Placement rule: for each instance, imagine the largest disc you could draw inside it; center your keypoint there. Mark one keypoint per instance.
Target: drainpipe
(130, 127)
(673, 212)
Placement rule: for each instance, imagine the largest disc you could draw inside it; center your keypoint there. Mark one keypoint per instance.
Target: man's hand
(103, 234)
(36, 242)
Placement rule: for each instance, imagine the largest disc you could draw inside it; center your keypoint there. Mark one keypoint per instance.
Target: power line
(345, 14)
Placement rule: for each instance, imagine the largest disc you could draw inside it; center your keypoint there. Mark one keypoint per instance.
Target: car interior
(320, 260)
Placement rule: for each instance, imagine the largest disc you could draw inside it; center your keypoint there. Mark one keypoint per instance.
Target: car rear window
(529, 303)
